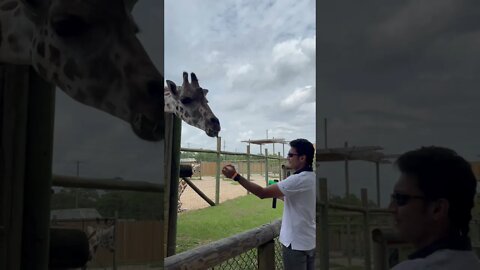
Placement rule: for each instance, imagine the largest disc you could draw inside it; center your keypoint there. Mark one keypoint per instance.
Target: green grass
(206, 225)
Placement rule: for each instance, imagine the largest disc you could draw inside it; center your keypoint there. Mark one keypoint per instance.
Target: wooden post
(347, 181)
(38, 173)
(266, 256)
(198, 191)
(13, 130)
(377, 167)
(366, 222)
(114, 263)
(380, 261)
(266, 167)
(174, 178)
(279, 166)
(217, 182)
(322, 220)
(349, 240)
(325, 133)
(248, 164)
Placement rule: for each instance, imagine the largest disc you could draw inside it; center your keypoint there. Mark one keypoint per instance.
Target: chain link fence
(249, 260)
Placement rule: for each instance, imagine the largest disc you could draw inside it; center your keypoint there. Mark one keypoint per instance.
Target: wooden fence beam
(219, 251)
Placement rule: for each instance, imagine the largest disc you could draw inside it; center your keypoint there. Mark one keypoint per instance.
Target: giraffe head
(90, 50)
(189, 102)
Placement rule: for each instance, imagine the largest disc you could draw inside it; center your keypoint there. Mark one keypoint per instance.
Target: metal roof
(266, 141)
(366, 153)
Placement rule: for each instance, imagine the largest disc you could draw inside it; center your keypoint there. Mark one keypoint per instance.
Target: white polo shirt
(298, 221)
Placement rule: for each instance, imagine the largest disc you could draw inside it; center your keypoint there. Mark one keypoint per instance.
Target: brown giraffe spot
(13, 42)
(55, 77)
(54, 55)
(97, 93)
(9, 5)
(110, 106)
(80, 96)
(41, 49)
(71, 70)
(103, 68)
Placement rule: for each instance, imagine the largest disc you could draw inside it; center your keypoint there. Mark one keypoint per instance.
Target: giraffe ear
(172, 87)
(205, 92)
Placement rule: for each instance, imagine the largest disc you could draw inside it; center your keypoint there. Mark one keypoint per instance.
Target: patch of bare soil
(229, 189)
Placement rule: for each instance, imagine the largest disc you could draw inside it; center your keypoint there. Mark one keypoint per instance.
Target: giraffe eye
(186, 100)
(68, 26)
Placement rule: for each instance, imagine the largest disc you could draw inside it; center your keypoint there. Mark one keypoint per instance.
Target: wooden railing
(215, 253)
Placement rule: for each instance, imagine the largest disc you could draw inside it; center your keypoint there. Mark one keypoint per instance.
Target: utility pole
(76, 189)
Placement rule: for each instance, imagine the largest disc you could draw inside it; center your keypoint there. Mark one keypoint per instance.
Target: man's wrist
(236, 177)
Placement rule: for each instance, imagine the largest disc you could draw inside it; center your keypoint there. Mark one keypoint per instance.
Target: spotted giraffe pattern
(182, 185)
(89, 49)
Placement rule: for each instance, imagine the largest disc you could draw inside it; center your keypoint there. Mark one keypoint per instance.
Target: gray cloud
(251, 55)
(399, 75)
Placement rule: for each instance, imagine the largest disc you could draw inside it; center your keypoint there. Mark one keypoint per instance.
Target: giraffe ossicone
(189, 103)
(89, 49)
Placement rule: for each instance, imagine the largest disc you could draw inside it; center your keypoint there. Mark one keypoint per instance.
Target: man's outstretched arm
(262, 192)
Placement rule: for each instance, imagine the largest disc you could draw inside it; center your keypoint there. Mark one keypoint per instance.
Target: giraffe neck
(16, 33)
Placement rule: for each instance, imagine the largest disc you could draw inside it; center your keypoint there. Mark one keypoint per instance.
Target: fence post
(266, 256)
(366, 222)
(279, 167)
(349, 242)
(38, 173)
(266, 167)
(248, 164)
(322, 219)
(377, 173)
(379, 250)
(217, 183)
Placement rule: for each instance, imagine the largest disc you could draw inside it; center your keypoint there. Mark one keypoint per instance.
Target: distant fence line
(252, 164)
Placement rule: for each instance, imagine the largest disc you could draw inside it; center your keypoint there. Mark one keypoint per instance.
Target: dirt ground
(229, 189)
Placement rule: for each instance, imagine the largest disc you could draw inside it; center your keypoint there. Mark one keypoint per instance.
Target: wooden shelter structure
(272, 141)
(365, 153)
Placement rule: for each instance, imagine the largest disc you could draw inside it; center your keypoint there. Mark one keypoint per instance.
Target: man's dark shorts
(298, 259)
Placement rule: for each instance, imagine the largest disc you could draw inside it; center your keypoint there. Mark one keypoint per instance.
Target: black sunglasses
(292, 154)
(403, 199)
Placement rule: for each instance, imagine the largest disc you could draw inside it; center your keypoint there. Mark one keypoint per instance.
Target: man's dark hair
(442, 174)
(304, 147)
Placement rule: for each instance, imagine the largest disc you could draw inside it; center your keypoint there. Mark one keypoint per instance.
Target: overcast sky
(257, 58)
(399, 75)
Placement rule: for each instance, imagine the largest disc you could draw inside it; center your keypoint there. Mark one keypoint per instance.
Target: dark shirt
(452, 242)
(304, 169)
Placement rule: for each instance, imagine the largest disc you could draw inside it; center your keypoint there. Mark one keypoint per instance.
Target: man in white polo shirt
(297, 233)
(432, 203)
